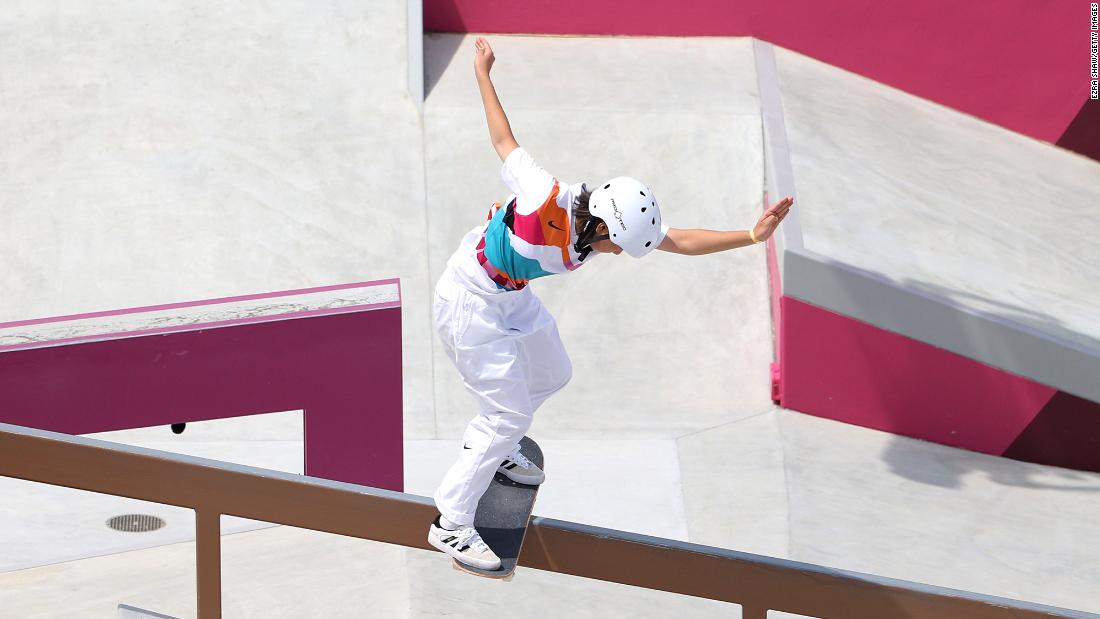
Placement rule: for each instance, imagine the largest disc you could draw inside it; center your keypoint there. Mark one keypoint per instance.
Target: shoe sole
(526, 481)
(458, 556)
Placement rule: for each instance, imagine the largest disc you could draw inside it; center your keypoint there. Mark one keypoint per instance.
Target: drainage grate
(135, 523)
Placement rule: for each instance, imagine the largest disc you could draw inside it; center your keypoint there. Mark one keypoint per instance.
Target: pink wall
(1020, 64)
(343, 369)
(840, 368)
(844, 369)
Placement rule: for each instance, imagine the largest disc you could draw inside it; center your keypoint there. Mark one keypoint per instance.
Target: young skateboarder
(504, 343)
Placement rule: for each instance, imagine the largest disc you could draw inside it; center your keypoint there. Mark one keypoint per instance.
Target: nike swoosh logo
(464, 446)
(551, 224)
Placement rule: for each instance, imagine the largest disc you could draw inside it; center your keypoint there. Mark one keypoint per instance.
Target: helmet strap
(583, 246)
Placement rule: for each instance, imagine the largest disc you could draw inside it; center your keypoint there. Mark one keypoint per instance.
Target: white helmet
(631, 213)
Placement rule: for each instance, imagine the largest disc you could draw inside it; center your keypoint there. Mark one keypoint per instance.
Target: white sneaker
(521, 470)
(465, 545)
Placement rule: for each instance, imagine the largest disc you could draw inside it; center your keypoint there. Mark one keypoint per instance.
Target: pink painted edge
(775, 288)
(200, 325)
(249, 297)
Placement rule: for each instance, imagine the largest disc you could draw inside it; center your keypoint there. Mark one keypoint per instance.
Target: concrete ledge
(334, 352)
(836, 258)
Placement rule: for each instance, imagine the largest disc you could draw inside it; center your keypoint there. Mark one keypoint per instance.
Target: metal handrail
(213, 488)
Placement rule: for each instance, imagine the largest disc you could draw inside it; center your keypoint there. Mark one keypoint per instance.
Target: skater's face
(605, 246)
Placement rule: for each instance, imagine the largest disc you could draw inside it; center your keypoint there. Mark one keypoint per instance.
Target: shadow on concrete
(913, 465)
(906, 462)
(439, 49)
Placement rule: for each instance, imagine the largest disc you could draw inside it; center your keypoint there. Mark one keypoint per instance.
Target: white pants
(507, 348)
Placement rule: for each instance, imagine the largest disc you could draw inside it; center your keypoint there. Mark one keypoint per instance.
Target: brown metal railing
(213, 488)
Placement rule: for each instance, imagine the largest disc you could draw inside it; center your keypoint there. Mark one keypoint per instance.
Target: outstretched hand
(771, 218)
(483, 56)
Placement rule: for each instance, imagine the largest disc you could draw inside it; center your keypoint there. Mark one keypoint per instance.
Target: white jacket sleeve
(531, 184)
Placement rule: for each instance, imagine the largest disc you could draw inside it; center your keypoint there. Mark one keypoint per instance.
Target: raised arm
(696, 242)
(500, 132)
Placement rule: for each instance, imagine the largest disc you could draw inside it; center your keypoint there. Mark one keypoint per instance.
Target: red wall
(1021, 64)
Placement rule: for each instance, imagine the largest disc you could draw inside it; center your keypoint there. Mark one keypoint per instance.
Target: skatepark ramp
(213, 488)
(926, 283)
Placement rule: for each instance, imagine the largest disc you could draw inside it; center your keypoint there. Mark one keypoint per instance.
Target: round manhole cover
(135, 523)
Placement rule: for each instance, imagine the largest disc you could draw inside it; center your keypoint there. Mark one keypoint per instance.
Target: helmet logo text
(618, 213)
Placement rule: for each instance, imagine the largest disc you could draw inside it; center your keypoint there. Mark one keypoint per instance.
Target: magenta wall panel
(342, 369)
(1017, 63)
(844, 369)
(839, 368)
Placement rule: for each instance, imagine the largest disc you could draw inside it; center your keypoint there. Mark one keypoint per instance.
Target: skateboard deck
(502, 516)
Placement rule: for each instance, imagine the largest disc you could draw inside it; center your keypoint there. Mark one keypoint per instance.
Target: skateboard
(502, 517)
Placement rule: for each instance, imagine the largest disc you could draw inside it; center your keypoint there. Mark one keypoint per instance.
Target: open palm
(771, 219)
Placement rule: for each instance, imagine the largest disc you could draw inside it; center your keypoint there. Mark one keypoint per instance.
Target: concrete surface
(828, 493)
(700, 154)
(347, 578)
(58, 524)
(822, 492)
(161, 153)
(931, 197)
(950, 212)
(643, 496)
(16, 335)
(212, 150)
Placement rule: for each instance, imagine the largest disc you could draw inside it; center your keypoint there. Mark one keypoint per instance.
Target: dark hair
(580, 209)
